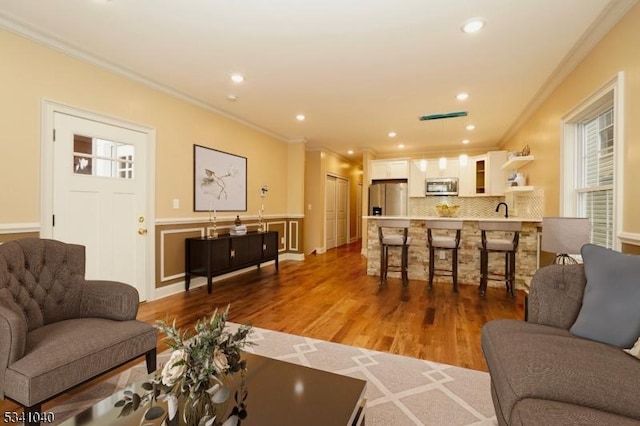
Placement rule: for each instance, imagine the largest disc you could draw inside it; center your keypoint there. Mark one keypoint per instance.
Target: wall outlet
(176, 203)
(308, 206)
(442, 255)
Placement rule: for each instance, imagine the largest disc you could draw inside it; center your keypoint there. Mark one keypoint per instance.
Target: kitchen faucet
(506, 208)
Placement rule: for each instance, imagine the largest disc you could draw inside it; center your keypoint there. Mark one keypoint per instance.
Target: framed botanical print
(219, 180)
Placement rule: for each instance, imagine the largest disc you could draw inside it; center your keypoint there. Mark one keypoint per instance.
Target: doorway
(336, 211)
(99, 194)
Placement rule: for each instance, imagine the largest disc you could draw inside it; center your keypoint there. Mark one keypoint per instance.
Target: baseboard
(292, 256)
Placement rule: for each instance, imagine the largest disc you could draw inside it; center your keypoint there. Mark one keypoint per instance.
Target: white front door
(99, 189)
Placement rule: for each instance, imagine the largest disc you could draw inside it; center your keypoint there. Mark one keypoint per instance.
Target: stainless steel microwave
(441, 186)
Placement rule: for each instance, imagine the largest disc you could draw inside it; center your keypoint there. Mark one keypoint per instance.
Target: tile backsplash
(521, 204)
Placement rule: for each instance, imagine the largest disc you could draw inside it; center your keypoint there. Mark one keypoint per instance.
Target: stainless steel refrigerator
(389, 199)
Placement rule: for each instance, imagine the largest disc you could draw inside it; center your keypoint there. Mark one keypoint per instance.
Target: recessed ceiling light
(300, 117)
(465, 141)
(473, 25)
(392, 134)
(400, 145)
(350, 152)
(232, 98)
(470, 126)
(237, 78)
(462, 96)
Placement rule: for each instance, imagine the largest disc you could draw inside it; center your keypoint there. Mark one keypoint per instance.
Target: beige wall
(296, 159)
(31, 72)
(617, 51)
(317, 165)
(313, 202)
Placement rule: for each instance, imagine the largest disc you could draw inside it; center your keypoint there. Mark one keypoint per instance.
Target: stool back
(443, 224)
(438, 224)
(500, 225)
(402, 224)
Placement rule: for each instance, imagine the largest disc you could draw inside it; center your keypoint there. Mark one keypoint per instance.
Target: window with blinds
(595, 183)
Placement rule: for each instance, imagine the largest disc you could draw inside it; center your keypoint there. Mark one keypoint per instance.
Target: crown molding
(22, 29)
(299, 140)
(609, 17)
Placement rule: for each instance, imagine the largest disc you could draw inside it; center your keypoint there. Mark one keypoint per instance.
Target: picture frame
(219, 180)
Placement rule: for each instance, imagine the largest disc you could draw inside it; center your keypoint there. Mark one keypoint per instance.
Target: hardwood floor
(330, 297)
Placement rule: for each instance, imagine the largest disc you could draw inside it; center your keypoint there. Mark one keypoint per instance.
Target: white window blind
(595, 186)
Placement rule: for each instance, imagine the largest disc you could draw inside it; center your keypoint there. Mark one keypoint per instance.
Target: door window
(103, 158)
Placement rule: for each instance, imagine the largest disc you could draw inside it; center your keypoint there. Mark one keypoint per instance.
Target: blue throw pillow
(610, 311)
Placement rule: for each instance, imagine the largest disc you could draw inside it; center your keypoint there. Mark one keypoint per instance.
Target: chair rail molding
(19, 228)
(191, 220)
(630, 238)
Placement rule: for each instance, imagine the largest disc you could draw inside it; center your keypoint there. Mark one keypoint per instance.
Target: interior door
(342, 214)
(99, 187)
(330, 212)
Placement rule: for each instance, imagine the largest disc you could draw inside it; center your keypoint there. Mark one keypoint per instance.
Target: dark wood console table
(210, 257)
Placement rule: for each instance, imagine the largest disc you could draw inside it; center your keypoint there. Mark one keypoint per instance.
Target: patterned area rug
(400, 390)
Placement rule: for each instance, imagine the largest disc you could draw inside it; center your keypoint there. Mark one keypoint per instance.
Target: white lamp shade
(565, 235)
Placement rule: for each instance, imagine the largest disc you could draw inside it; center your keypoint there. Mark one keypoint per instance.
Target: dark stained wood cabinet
(210, 257)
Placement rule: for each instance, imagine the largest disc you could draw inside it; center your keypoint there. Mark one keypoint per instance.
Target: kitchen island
(468, 253)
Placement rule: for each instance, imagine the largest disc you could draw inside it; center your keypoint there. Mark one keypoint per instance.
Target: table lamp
(565, 236)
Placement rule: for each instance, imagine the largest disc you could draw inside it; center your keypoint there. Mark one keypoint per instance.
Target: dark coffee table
(279, 394)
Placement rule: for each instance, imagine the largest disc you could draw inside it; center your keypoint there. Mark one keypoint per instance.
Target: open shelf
(517, 162)
(519, 189)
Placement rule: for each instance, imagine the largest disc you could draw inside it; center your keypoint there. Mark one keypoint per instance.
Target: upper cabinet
(389, 169)
(483, 175)
(420, 170)
(451, 168)
(417, 176)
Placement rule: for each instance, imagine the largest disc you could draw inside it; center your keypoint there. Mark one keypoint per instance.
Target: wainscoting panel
(281, 228)
(172, 251)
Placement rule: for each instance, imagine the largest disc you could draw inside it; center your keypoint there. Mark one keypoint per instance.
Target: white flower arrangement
(195, 374)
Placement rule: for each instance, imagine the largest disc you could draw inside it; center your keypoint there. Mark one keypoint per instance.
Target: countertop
(465, 219)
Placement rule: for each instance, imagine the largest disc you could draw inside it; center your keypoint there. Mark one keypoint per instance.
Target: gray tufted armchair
(58, 330)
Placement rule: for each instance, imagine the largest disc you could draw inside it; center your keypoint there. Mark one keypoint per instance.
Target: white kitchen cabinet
(434, 170)
(483, 175)
(389, 169)
(496, 176)
(467, 179)
(416, 179)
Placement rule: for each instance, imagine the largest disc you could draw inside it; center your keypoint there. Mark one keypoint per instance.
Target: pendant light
(463, 160)
(442, 163)
(423, 164)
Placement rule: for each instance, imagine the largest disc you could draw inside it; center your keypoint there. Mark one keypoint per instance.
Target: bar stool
(498, 245)
(443, 242)
(397, 239)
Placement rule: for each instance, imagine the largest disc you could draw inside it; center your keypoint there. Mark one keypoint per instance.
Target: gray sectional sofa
(57, 329)
(545, 372)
